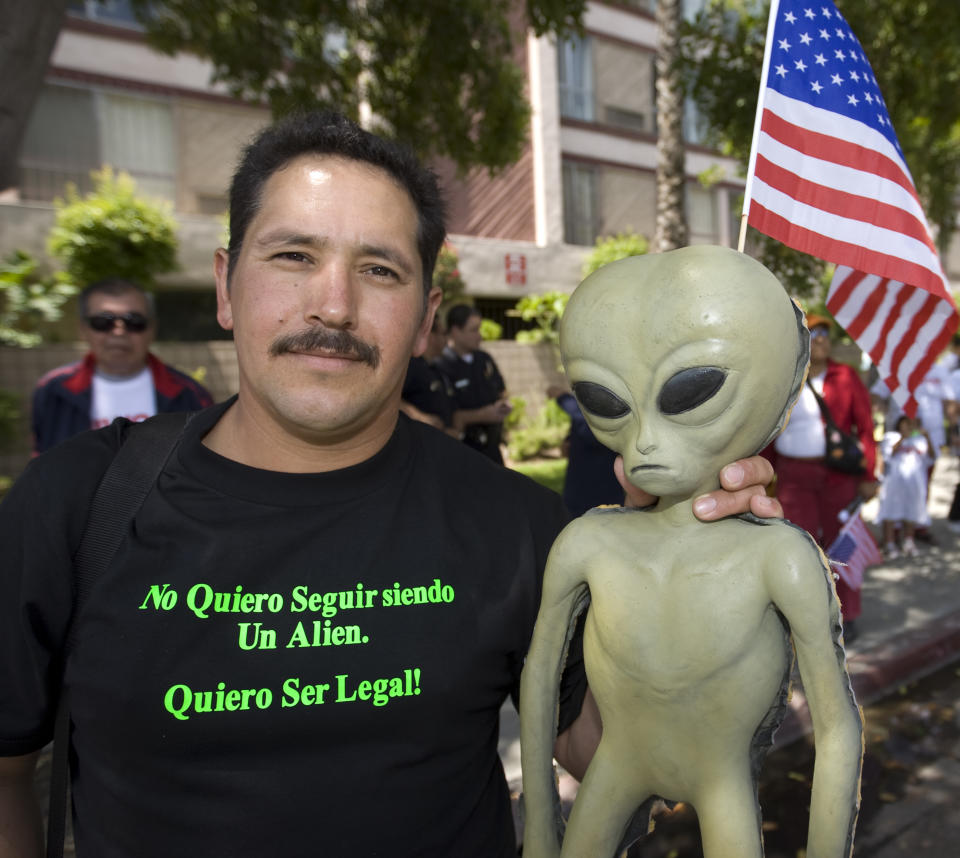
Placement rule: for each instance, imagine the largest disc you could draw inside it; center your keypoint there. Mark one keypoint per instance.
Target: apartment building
(588, 169)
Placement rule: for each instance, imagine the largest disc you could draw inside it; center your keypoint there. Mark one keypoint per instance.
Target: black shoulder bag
(122, 491)
(844, 452)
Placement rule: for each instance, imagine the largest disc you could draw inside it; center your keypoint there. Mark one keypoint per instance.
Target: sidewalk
(910, 625)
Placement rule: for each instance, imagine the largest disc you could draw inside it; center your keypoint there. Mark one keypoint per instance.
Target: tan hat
(815, 320)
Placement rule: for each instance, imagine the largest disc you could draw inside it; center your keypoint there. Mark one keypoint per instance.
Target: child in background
(906, 455)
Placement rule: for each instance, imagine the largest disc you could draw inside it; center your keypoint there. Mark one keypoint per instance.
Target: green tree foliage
(914, 49)
(442, 75)
(613, 247)
(111, 232)
(29, 300)
(545, 311)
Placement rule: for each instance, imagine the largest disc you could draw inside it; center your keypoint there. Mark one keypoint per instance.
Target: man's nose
(330, 297)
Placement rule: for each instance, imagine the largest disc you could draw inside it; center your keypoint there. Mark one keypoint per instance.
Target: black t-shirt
(279, 664)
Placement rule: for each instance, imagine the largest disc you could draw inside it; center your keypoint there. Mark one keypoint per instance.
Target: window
(694, 123)
(580, 204)
(73, 131)
(119, 12)
(499, 310)
(61, 143)
(624, 85)
(701, 213)
(137, 136)
(575, 77)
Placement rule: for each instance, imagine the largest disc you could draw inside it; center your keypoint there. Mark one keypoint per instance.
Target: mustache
(318, 338)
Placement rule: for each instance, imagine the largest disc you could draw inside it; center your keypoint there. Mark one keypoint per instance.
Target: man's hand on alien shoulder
(743, 489)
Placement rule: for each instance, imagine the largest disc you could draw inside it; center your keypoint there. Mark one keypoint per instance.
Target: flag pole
(752, 163)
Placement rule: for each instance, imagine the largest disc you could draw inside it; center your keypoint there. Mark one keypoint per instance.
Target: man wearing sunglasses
(118, 377)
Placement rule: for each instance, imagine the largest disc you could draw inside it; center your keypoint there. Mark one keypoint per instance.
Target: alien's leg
(611, 792)
(729, 817)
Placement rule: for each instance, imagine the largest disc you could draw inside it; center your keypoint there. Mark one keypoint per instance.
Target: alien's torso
(683, 646)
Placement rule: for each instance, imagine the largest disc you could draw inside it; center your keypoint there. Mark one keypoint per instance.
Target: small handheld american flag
(853, 550)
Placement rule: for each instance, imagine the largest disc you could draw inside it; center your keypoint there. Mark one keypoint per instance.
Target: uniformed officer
(428, 393)
(478, 387)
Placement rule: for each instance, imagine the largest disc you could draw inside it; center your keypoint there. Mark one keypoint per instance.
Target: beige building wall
(210, 138)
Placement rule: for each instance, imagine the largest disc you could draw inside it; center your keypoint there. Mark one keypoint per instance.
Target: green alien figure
(682, 362)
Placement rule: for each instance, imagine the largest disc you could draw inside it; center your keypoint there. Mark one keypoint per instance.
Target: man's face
(118, 350)
(468, 338)
(326, 299)
(819, 343)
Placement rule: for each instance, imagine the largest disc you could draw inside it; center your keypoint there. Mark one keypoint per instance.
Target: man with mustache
(302, 645)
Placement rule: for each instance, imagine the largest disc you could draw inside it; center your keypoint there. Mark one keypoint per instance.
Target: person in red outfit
(812, 495)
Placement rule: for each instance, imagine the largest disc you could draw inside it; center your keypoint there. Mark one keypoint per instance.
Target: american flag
(853, 551)
(827, 177)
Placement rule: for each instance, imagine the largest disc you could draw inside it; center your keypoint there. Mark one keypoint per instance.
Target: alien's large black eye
(690, 388)
(599, 401)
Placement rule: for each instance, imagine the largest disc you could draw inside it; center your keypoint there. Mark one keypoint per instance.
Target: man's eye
(382, 271)
(690, 388)
(291, 256)
(599, 401)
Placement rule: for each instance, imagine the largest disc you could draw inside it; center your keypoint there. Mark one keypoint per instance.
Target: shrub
(446, 275)
(9, 429)
(614, 247)
(545, 310)
(548, 473)
(545, 431)
(490, 330)
(111, 232)
(517, 415)
(9, 418)
(29, 300)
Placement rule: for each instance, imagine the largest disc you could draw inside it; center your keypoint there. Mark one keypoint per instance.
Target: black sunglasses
(136, 323)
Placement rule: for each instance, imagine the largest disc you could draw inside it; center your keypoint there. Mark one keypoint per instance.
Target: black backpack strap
(120, 494)
(824, 408)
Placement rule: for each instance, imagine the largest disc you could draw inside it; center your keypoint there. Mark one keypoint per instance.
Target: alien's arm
(803, 591)
(563, 592)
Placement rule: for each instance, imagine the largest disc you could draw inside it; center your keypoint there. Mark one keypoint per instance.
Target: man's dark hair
(328, 133)
(113, 286)
(459, 314)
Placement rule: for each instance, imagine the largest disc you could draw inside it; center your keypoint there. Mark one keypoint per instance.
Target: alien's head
(683, 362)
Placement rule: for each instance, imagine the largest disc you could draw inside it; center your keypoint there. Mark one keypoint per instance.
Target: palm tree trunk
(671, 171)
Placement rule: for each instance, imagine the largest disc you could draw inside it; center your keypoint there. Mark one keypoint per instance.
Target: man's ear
(221, 265)
(433, 302)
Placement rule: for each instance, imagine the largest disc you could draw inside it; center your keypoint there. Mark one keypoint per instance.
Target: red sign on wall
(515, 269)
